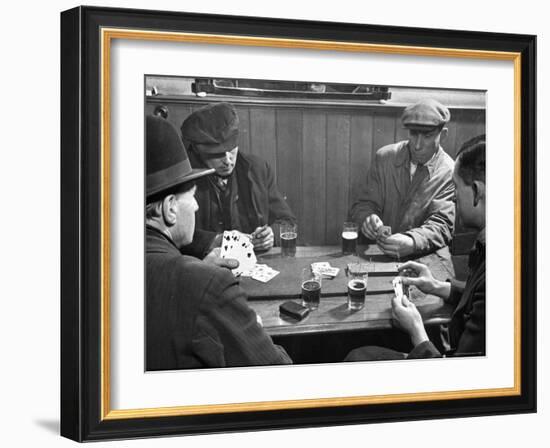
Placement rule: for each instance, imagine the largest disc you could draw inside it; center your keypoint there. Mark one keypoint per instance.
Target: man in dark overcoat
(242, 194)
(196, 312)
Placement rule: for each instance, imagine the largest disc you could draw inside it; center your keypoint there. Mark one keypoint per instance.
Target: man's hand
(406, 316)
(371, 225)
(397, 245)
(214, 258)
(423, 279)
(263, 238)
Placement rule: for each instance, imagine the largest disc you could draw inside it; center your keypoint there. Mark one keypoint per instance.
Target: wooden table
(333, 315)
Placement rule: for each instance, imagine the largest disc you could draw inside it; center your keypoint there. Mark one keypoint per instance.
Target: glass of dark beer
(288, 234)
(357, 290)
(311, 288)
(350, 234)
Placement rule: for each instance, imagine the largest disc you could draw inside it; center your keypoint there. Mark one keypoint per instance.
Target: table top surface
(333, 314)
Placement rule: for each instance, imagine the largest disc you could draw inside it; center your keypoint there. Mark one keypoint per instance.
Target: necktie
(418, 174)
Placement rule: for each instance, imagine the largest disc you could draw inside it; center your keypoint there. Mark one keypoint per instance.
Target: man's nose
(419, 142)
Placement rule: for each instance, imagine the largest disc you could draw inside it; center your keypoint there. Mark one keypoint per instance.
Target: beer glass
(357, 290)
(288, 234)
(311, 288)
(350, 234)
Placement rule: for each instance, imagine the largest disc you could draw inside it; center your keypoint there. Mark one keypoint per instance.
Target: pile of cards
(238, 246)
(383, 232)
(324, 269)
(263, 273)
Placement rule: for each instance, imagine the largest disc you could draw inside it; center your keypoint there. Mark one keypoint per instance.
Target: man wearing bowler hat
(197, 315)
(242, 194)
(409, 187)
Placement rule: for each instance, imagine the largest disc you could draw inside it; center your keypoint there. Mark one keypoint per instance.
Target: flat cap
(425, 113)
(212, 129)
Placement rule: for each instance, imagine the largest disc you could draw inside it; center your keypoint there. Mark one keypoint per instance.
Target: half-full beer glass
(357, 290)
(311, 288)
(350, 234)
(288, 234)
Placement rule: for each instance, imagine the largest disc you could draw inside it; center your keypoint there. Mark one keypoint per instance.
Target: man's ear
(443, 135)
(169, 210)
(479, 192)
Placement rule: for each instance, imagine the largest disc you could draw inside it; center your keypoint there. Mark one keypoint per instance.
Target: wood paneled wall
(321, 153)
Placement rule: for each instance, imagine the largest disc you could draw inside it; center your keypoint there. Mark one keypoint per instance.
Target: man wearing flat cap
(196, 315)
(409, 187)
(242, 194)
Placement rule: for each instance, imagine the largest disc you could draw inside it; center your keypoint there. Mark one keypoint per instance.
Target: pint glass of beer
(350, 234)
(311, 288)
(357, 290)
(288, 234)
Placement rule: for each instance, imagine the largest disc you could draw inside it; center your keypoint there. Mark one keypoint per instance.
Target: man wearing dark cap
(242, 194)
(409, 187)
(197, 315)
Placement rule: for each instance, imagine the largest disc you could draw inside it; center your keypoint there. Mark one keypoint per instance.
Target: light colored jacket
(422, 208)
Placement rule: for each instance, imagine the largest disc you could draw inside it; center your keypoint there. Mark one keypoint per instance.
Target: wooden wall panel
(289, 160)
(361, 153)
(338, 174)
(314, 166)
(263, 137)
(384, 128)
(244, 129)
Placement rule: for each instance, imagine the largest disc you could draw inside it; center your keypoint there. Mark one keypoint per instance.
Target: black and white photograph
(292, 222)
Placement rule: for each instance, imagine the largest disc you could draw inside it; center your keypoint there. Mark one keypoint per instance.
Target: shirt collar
(404, 156)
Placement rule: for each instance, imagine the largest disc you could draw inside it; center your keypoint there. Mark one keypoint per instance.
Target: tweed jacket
(422, 208)
(197, 315)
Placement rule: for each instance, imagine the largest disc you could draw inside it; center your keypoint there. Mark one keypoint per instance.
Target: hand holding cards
(383, 232)
(238, 246)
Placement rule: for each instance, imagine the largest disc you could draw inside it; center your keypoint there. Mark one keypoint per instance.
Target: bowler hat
(212, 129)
(425, 114)
(167, 162)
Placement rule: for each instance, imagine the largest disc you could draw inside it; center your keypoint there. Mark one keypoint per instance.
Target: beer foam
(362, 284)
(350, 235)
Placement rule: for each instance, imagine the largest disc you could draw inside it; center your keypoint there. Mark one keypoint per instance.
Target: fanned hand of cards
(239, 247)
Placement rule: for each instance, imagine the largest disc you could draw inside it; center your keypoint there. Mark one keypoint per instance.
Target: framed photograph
(375, 185)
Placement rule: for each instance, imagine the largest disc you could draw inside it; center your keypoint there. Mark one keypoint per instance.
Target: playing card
(325, 269)
(398, 287)
(320, 264)
(264, 274)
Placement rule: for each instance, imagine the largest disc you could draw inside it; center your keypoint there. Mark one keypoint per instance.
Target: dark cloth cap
(167, 162)
(212, 129)
(425, 114)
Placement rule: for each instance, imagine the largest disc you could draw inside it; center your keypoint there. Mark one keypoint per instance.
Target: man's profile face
(223, 163)
(186, 206)
(423, 143)
(464, 198)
